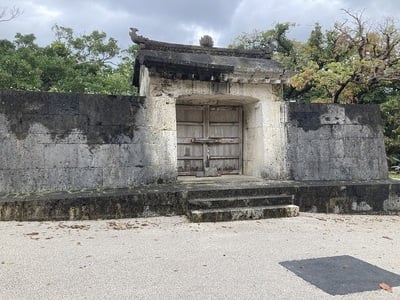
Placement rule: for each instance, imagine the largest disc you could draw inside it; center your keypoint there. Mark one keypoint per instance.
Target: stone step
(241, 201)
(243, 213)
(238, 191)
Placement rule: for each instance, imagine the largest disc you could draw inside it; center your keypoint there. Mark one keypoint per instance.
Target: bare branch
(7, 14)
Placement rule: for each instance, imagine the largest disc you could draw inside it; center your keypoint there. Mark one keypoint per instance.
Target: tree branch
(7, 14)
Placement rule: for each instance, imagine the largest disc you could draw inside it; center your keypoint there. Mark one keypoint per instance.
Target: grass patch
(394, 175)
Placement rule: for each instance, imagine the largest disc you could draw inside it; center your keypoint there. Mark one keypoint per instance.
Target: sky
(183, 21)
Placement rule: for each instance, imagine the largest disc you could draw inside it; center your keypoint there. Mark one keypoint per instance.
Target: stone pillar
(160, 123)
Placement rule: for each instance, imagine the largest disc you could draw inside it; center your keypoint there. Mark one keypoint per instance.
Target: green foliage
(275, 38)
(391, 117)
(79, 64)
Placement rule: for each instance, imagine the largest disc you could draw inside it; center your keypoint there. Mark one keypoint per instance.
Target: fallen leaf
(32, 233)
(386, 287)
(74, 226)
(78, 226)
(121, 226)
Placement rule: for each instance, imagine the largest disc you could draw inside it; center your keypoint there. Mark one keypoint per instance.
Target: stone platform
(366, 197)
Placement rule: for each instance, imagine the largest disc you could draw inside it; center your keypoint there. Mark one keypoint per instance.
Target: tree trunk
(335, 97)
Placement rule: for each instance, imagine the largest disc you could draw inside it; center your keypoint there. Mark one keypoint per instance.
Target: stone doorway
(209, 136)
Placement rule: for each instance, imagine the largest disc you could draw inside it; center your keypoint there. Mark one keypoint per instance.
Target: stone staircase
(241, 207)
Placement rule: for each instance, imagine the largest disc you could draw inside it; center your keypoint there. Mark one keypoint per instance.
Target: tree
(19, 64)
(81, 64)
(351, 60)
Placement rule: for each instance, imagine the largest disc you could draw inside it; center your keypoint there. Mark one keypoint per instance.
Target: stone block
(15, 103)
(352, 147)
(61, 156)
(353, 131)
(5, 181)
(336, 148)
(60, 179)
(4, 123)
(324, 149)
(86, 178)
(23, 180)
(74, 137)
(118, 177)
(15, 154)
(72, 179)
(67, 104)
(292, 134)
(338, 131)
(111, 155)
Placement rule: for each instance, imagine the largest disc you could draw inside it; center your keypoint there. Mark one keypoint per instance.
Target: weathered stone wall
(54, 141)
(335, 142)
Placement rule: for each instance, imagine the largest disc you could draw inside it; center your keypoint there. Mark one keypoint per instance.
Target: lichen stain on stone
(367, 115)
(102, 119)
(392, 204)
(307, 116)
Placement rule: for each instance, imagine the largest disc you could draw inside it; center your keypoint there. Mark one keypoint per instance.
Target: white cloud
(183, 21)
(45, 12)
(197, 31)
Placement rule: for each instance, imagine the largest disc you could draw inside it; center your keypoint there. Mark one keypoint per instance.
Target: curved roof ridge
(148, 44)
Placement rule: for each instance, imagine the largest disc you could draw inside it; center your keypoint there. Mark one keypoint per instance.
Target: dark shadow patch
(341, 275)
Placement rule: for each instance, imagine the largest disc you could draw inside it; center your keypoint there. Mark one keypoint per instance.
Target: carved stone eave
(204, 67)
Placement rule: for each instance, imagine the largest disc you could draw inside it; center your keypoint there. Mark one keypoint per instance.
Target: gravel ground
(169, 258)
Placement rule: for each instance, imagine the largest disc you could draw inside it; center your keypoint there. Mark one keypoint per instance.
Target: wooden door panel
(224, 114)
(224, 130)
(189, 114)
(190, 167)
(188, 150)
(189, 131)
(225, 166)
(224, 150)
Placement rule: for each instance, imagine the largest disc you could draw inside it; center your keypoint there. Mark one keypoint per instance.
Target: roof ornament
(137, 39)
(206, 41)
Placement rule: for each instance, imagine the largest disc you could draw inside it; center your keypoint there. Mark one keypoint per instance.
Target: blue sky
(183, 21)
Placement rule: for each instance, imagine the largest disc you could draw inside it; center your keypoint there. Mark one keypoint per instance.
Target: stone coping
(187, 183)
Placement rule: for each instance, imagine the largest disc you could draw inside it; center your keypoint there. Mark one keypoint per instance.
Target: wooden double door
(209, 136)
